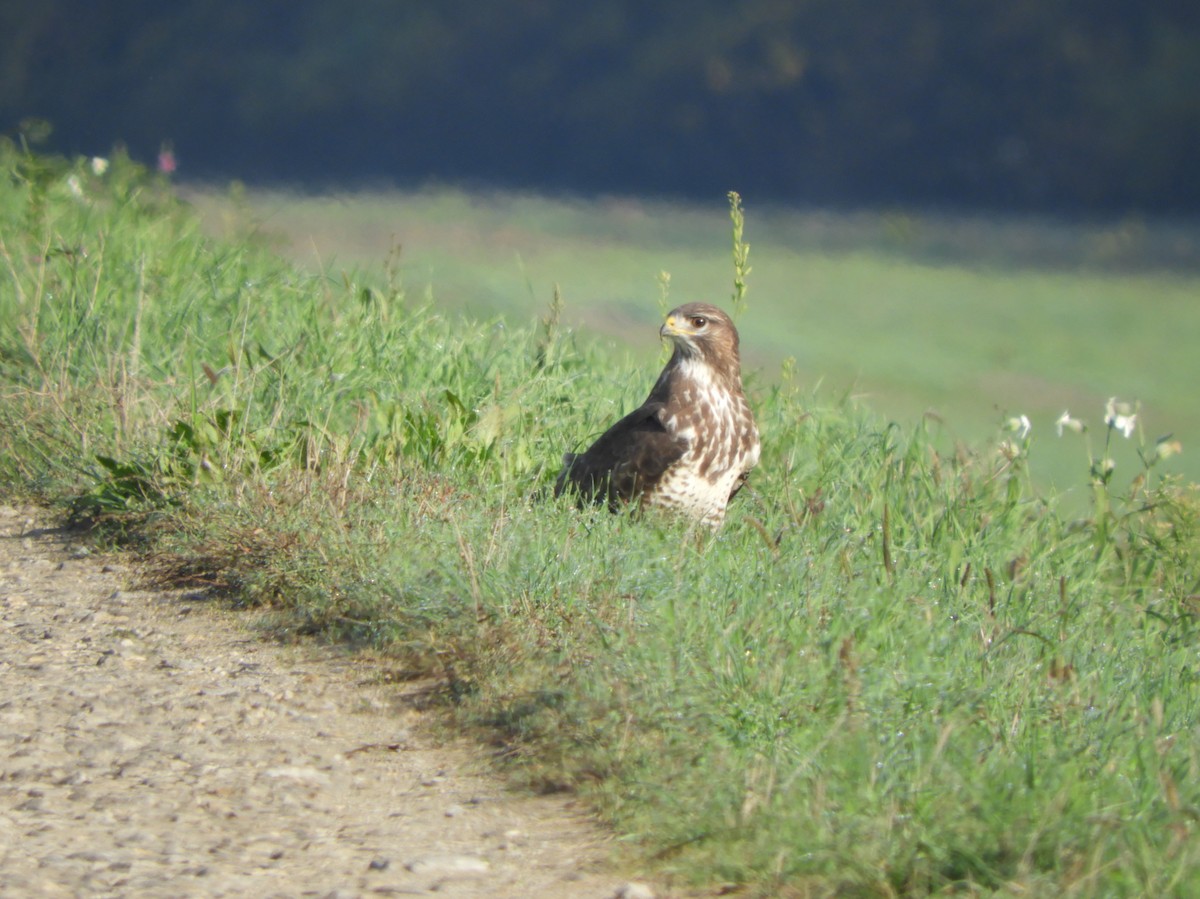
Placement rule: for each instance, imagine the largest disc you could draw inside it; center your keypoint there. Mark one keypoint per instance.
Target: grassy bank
(972, 318)
(895, 671)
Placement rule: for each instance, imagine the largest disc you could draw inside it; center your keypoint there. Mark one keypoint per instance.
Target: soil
(152, 745)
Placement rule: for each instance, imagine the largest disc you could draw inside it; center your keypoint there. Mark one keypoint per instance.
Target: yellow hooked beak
(670, 327)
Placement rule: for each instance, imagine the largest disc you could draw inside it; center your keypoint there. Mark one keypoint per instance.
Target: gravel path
(152, 747)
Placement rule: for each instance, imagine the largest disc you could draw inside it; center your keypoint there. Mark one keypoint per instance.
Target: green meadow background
(966, 320)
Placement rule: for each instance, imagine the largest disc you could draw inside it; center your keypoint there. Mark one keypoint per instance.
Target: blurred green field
(971, 319)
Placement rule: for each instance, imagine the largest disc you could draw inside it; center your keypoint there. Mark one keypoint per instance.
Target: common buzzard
(690, 446)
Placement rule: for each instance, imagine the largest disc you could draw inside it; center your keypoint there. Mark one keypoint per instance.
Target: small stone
(633, 890)
(454, 811)
(379, 864)
(449, 866)
(297, 772)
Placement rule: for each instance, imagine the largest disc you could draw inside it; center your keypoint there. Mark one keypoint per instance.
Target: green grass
(969, 318)
(897, 671)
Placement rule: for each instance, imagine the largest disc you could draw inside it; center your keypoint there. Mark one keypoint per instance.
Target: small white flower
(1020, 425)
(99, 165)
(74, 186)
(1067, 423)
(1120, 416)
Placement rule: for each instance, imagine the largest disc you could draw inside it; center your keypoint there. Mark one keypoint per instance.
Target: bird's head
(704, 332)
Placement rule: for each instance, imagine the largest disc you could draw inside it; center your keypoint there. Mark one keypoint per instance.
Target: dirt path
(151, 747)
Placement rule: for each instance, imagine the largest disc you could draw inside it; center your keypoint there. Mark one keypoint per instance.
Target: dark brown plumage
(689, 447)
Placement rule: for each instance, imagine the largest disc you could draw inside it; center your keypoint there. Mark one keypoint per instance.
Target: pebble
(449, 865)
(296, 772)
(633, 890)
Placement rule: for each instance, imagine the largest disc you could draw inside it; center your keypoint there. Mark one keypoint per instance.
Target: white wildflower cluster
(1067, 423)
(76, 184)
(1118, 416)
(1121, 416)
(1019, 425)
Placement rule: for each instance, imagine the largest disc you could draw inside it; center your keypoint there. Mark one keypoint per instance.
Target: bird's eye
(699, 321)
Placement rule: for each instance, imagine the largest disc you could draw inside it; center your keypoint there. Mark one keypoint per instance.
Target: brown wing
(627, 460)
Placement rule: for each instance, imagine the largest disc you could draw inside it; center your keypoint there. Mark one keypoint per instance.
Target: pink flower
(166, 160)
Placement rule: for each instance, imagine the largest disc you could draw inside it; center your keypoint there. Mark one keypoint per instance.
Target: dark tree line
(1042, 104)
